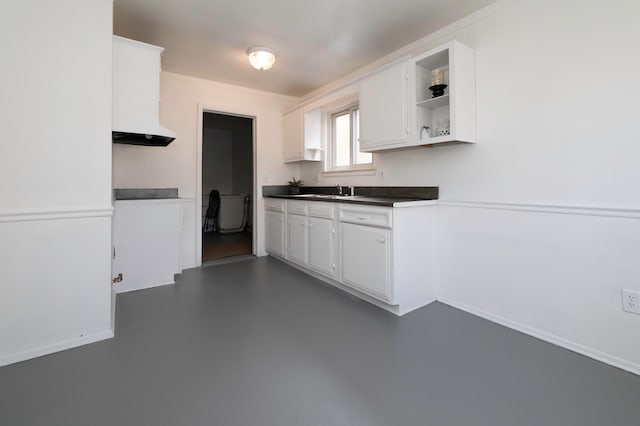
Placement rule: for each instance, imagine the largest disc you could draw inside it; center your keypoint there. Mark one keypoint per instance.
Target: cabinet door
(274, 233)
(147, 240)
(321, 245)
(293, 135)
(297, 238)
(383, 109)
(366, 259)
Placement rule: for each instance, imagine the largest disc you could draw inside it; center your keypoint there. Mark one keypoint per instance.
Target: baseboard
(55, 347)
(142, 287)
(547, 337)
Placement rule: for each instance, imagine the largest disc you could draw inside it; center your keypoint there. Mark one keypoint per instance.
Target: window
(344, 148)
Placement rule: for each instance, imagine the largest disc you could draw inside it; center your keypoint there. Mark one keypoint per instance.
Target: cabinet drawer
(274, 205)
(297, 207)
(325, 210)
(368, 216)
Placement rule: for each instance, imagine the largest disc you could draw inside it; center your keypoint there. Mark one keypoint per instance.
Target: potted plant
(294, 186)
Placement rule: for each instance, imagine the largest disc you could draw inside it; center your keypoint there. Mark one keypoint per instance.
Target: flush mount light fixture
(261, 58)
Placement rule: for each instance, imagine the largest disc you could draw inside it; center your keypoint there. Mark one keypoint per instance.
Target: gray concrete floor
(257, 343)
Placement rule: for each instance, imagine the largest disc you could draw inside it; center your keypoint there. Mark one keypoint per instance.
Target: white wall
(557, 91)
(55, 175)
(178, 165)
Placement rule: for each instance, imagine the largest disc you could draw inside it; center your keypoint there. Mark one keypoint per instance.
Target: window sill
(350, 172)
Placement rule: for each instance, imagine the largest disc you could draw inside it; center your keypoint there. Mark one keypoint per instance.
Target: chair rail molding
(41, 214)
(630, 213)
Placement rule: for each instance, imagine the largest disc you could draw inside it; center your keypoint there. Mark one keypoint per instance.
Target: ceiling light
(261, 58)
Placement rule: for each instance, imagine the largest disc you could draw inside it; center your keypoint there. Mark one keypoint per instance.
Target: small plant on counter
(294, 186)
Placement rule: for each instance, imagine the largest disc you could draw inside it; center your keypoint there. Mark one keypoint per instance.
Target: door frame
(255, 118)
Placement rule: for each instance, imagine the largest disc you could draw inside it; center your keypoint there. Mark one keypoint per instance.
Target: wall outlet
(380, 175)
(631, 301)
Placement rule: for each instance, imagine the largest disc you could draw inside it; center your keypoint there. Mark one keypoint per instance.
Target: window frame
(330, 166)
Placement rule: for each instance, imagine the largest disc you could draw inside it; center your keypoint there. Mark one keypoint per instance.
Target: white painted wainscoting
(189, 237)
(550, 271)
(56, 287)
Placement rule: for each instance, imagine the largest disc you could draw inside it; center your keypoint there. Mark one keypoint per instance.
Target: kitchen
(542, 210)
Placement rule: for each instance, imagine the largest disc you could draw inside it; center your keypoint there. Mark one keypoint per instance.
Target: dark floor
(257, 343)
(217, 246)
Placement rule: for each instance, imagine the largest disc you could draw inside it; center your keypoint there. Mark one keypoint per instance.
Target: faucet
(339, 188)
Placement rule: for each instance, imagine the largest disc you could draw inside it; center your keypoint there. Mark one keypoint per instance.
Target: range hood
(136, 94)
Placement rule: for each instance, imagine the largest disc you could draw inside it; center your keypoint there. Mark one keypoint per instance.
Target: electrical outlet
(631, 301)
(380, 175)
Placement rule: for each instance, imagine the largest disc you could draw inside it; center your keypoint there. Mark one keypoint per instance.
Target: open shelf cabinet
(450, 118)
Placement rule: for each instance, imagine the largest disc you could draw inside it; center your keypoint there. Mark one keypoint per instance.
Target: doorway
(227, 185)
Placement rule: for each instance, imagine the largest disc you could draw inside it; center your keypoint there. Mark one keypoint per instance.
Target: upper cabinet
(136, 94)
(424, 100)
(302, 134)
(384, 122)
(449, 117)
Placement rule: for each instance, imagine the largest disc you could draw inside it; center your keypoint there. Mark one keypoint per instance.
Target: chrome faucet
(339, 188)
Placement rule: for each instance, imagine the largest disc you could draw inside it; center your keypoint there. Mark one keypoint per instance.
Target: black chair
(211, 217)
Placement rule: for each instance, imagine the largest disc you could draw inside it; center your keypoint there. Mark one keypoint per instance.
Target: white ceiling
(315, 41)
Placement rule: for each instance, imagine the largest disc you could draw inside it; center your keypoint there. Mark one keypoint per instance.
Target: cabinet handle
(311, 225)
(381, 240)
(363, 217)
(303, 223)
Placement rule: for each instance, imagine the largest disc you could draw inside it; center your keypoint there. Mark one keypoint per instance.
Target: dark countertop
(145, 193)
(373, 196)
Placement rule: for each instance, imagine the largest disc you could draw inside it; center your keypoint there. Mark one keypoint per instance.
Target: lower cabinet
(381, 254)
(321, 245)
(366, 259)
(297, 238)
(274, 228)
(146, 239)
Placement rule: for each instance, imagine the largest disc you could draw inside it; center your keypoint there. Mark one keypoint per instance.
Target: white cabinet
(387, 254)
(322, 253)
(381, 254)
(310, 233)
(366, 259)
(321, 247)
(147, 237)
(302, 135)
(297, 231)
(136, 88)
(292, 128)
(274, 227)
(450, 117)
(297, 238)
(383, 109)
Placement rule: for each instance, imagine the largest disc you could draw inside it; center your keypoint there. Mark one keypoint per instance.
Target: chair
(211, 217)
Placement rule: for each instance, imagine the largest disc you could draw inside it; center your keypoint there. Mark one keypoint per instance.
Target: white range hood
(136, 94)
